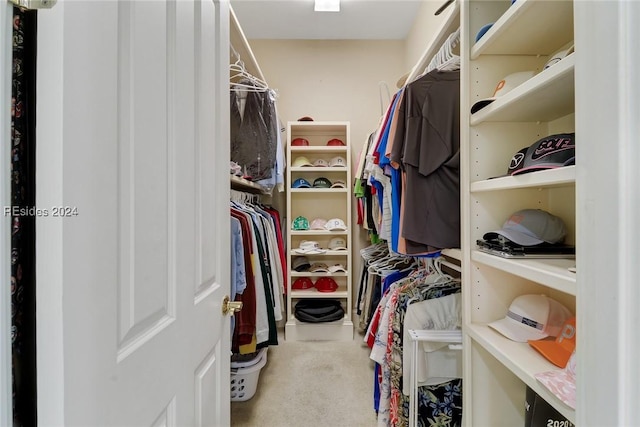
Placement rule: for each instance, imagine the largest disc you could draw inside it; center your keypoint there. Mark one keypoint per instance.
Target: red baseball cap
(300, 142)
(326, 284)
(302, 283)
(335, 141)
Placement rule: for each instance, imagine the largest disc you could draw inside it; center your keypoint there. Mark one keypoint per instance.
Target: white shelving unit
(323, 203)
(524, 34)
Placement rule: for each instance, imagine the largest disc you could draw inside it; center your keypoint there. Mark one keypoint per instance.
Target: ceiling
(357, 19)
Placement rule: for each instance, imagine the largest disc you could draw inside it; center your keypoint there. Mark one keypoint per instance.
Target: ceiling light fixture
(327, 6)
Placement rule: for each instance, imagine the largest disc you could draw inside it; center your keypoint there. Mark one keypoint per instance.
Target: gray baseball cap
(530, 227)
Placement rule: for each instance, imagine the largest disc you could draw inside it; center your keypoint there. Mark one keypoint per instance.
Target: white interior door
(133, 256)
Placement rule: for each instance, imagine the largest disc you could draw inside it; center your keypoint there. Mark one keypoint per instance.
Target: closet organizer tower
(524, 34)
(316, 205)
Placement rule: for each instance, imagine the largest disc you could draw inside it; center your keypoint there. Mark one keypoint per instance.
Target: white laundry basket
(245, 375)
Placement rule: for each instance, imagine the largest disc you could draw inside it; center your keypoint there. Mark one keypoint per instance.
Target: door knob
(230, 307)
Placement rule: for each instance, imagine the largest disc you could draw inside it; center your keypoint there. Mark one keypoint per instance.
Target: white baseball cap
(335, 224)
(320, 163)
(338, 244)
(318, 224)
(337, 268)
(559, 56)
(503, 87)
(309, 247)
(301, 161)
(532, 317)
(338, 183)
(338, 161)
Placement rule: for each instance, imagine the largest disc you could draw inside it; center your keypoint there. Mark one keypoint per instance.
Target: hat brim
(553, 352)
(517, 331)
(514, 236)
(481, 104)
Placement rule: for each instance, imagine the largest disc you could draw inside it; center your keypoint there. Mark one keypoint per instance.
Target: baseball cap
(300, 223)
(326, 284)
(301, 263)
(321, 182)
(559, 56)
(335, 224)
(335, 142)
(319, 267)
(338, 183)
(503, 87)
(302, 283)
(309, 247)
(530, 227)
(337, 268)
(559, 351)
(338, 161)
(301, 183)
(301, 161)
(305, 119)
(318, 224)
(562, 383)
(300, 142)
(338, 244)
(320, 163)
(532, 317)
(550, 152)
(481, 32)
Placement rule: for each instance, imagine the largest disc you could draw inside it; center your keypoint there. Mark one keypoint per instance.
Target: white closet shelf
(546, 96)
(528, 27)
(560, 177)
(319, 190)
(318, 233)
(318, 149)
(454, 253)
(309, 274)
(314, 293)
(317, 169)
(327, 253)
(520, 359)
(552, 273)
(242, 184)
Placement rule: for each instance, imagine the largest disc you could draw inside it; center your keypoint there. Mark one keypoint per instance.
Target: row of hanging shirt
(256, 131)
(408, 184)
(398, 293)
(257, 273)
(408, 174)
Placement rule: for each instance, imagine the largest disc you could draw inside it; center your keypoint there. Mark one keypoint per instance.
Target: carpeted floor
(312, 383)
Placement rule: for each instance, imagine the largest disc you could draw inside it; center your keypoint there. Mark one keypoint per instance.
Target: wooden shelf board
(528, 27)
(546, 96)
(553, 273)
(313, 293)
(521, 359)
(560, 177)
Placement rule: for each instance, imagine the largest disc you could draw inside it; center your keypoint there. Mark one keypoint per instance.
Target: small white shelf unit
(323, 203)
(524, 34)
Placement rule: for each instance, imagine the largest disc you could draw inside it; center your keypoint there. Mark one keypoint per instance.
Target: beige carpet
(312, 383)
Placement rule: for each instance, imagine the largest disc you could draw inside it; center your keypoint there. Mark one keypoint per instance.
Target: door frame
(6, 405)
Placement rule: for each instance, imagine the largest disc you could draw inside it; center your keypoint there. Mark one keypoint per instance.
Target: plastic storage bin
(245, 375)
